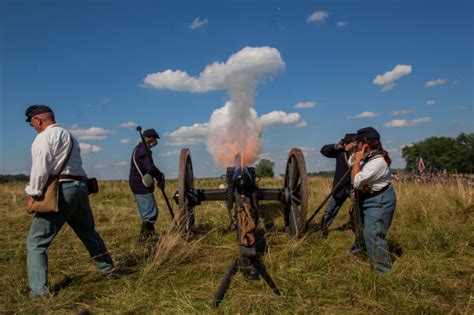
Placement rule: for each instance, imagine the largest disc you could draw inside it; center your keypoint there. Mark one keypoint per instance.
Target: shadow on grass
(269, 212)
(395, 248)
(66, 282)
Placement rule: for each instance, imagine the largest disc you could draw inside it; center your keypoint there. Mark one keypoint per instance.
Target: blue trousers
(75, 210)
(147, 207)
(331, 210)
(378, 213)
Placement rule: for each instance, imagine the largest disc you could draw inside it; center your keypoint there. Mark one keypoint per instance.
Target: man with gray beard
(56, 153)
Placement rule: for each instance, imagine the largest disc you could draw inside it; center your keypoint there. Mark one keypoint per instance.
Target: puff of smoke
(234, 130)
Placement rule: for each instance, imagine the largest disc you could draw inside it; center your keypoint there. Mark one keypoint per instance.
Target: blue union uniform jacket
(342, 166)
(145, 163)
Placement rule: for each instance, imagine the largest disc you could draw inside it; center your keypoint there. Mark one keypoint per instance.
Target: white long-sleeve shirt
(375, 174)
(48, 152)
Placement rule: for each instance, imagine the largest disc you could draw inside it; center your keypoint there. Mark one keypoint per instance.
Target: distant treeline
(439, 154)
(14, 178)
(322, 173)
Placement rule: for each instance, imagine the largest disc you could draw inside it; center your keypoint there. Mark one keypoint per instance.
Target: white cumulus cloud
(129, 125)
(170, 153)
(126, 140)
(187, 135)
(387, 80)
(93, 133)
(303, 105)
(279, 118)
(121, 164)
(197, 23)
(430, 102)
(87, 148)
(407, 123)
(436, 82)
(364, 115)
(403, 112)
(197, 133)
(341, 24)
(250, 62)
(317, 16)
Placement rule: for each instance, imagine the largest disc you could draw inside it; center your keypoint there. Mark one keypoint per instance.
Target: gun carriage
(242, 196)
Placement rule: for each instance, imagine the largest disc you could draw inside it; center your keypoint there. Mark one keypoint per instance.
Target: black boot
(323, 227)
(319, 226)
(325, 231)
(147, 231)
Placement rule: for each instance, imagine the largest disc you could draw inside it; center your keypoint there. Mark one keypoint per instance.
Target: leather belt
(374, 193)
(72, 177)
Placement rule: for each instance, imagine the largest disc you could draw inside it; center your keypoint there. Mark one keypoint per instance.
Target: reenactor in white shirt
(50, 150)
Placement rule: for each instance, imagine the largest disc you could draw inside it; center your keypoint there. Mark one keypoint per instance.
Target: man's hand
(360, 155)
(339, 145)
(29, 204)
(160, 181)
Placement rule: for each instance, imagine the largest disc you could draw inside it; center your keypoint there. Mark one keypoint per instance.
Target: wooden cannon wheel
(185, 186)
(296, 191)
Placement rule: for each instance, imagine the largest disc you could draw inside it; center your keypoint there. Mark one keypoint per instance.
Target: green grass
(433, 228)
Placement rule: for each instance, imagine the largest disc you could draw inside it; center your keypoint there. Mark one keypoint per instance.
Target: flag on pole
(421, 165)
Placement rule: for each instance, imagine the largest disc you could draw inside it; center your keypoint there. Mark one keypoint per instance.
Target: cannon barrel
(242, 181)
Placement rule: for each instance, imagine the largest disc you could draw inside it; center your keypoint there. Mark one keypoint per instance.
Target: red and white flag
(421, 165)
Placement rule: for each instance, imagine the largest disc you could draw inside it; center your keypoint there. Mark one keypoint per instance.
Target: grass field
(432, 232)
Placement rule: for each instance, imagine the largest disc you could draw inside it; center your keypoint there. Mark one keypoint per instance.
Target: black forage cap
(151, 133)
(34, 110)
(350, 137)
(368, 133)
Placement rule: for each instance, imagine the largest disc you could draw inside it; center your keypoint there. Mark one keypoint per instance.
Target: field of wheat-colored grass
(432, 236)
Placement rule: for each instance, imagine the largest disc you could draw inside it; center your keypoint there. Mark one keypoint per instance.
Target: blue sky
(88, 61)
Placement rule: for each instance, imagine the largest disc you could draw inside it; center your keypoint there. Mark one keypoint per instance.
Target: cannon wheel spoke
(296, 182)
(185, 186)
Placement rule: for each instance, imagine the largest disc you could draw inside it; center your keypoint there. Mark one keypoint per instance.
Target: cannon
(242, 196)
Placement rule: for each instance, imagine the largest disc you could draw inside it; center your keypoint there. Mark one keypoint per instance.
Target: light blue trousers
(331, 210)
(378, 213)
(147, 207)
(75, 210)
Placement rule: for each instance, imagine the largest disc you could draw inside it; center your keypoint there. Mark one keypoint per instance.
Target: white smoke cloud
(93, 133)
(317, 16)
(436, 82)
(234, 128)
(407, 123)
(387, 79)
(242, 71)
(87, 148)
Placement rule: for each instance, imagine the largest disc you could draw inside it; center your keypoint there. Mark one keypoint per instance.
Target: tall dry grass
(432, 234)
